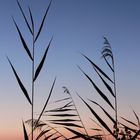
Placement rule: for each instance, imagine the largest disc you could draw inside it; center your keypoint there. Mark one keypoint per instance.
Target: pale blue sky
(78, 26)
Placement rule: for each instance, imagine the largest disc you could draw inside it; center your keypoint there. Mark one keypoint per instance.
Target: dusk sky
(77, 26)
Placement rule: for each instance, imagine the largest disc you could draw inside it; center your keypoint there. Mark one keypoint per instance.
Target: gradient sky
(78, 26)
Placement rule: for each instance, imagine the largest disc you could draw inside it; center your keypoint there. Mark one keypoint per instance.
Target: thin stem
(79, 116)
(56, 131)
(115, 92)
(32, 136)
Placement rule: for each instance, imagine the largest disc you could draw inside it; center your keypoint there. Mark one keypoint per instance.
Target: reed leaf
(60, 110)
(98, 90)
(31, 17)
(26, 21)
(129, 128)
(20, 83)
(42, 23)
(42, 133)
(39, 125)
(63, 99)
(46, 138)
(64, 120)
(108, 115)
(101, 71)
(67, 124)
(96, 123)
(23, 41)
(68, 105)
(63, 115)
(96, 129)
(105, 83)
(74, 137)
(78, 134)
(25, 132)
(129, 121)
(98, 118)
(46, 102)
(42, 62)
(137, 117)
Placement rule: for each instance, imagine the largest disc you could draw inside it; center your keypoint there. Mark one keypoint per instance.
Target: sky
(77, 26)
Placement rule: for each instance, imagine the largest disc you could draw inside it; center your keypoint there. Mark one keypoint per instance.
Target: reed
(110, 84)
(67, 115)
(35, 34)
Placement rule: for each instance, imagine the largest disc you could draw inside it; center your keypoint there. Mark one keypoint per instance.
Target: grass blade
(42, 23)
(80, 135)
(67, 105)
(129, 128)
(46, 138)
(31, 17)
(62, 99)
(97, 89)
(46, 102)
(98, 118)
(63, 115)
(39, 126)
(129, 122)
(106, 84)
(67, 124)
(96, 129)
(60, 110)
(23, 41)
(25, 133)
(20, 83)
(42, 62)
(64, 120)
(24, 18)
(114, 122)
(42, 133)
(137, 118)
(101, 71)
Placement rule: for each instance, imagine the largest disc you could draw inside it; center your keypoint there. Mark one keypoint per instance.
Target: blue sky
(78, 26)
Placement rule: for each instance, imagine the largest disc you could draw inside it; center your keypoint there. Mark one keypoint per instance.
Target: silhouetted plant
(46, 130)
(31, 55)
(67, 115)
(131, 131)
(107, 55)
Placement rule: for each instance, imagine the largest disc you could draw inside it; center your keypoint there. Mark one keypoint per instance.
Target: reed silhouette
(67, 115)
(31, 54)
(120, 131)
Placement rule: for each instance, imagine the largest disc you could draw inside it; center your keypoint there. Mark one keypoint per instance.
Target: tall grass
(67, 115)
(110, 84)
(35, 34)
